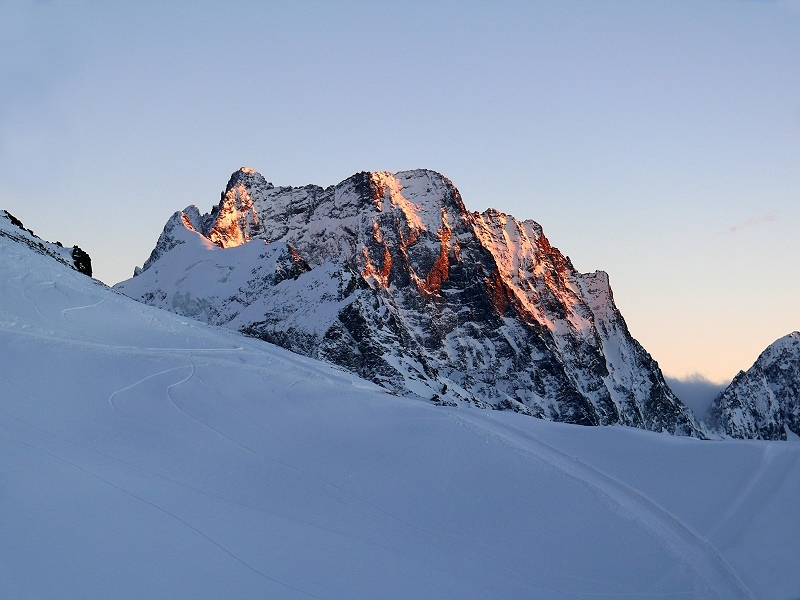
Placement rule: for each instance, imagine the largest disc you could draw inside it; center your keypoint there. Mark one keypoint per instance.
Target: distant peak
(249, 178)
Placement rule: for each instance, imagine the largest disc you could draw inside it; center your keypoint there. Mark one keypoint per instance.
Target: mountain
(763, 402)
(12, 228)
(147, 455)
(389, 276)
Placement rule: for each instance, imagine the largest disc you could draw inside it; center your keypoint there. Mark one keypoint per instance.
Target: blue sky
(658, 141)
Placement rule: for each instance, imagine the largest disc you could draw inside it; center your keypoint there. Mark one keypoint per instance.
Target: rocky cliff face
(389, 276)
(763, 402)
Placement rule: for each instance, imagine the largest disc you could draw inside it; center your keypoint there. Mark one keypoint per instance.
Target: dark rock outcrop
(74, 257)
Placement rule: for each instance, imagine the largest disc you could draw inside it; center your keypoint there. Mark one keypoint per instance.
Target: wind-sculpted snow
(148, 455)
(405, 287)
(764, 402)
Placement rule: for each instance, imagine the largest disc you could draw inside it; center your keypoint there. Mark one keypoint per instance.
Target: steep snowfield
(145, 455)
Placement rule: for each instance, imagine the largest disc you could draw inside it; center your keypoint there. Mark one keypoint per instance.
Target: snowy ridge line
(67, 463)
(676, 534)
(126, 349)
(269, 354)
(37, 246)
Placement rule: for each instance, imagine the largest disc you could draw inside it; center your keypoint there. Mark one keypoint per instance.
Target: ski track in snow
(689, 546)
(66, 310)
(32, 302)
(133, 385)
(268, 354)
(445, 538)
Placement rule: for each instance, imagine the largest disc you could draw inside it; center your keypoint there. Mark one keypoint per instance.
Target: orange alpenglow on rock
(389, 276)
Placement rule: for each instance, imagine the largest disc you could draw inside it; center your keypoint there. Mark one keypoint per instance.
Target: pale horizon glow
(659, 142)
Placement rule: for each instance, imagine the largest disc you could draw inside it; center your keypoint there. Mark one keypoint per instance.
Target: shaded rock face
(764, 402)
(81, 261)
(389, 276)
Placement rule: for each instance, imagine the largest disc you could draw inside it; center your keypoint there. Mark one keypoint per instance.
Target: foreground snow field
(144, 455)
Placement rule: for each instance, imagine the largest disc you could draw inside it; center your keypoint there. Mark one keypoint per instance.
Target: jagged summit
(406, 287)
(763, 402)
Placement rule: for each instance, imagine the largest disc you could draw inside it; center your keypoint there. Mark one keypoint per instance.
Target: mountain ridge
(764, 401)
(74, 257)
(458, 306)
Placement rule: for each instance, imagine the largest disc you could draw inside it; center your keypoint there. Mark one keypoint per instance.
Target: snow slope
(146, 455)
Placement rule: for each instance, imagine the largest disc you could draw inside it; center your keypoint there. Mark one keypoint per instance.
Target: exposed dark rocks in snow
(73, 257)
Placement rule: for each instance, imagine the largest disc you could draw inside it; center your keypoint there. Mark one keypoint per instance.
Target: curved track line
(776, 462)
(66, 310)
(688, 545)
(133, 385)
(129, 349)
(269, 354)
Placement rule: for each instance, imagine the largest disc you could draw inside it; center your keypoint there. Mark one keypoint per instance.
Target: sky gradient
(659, 141)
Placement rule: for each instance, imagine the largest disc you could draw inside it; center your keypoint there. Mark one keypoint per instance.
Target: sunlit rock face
(389, 276)
(763, 402)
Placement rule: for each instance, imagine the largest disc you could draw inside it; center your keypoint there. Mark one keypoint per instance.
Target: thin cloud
(752, 221)
(696, 391)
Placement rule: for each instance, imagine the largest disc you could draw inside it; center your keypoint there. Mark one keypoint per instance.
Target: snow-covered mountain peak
(409, 289)
(781, 348)
(422, 197)
(248, 178)
(764, 401)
